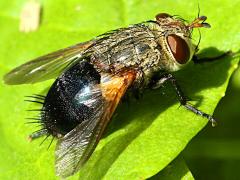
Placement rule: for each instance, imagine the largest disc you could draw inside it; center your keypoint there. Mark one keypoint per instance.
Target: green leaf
(176, 170)
(144, 136)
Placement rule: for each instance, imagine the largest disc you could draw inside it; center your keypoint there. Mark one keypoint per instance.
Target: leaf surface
(144, 136)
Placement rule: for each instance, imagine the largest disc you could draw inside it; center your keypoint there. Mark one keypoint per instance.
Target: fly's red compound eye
(162, 16)
(179, 48)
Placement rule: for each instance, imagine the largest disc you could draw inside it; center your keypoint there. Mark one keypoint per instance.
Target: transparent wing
(74, 149)
(46, 67)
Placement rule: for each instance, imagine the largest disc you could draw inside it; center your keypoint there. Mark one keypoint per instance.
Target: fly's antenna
(199, 32)
(198, 10)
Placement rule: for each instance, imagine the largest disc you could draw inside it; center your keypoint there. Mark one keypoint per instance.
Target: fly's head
(174, 37)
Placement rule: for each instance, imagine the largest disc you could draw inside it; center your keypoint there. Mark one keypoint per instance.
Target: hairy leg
(181, 97)
(198, 60)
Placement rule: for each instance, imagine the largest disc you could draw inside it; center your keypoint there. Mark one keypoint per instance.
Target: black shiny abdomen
(70, 99)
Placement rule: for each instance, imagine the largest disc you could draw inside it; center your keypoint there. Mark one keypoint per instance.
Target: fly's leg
(37, 134)
(181, 97)
(198, 60)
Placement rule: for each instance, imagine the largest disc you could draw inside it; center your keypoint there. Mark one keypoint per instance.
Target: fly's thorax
(132, 47)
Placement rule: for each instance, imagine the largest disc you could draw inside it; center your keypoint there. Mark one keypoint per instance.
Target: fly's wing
(46, 67)
(74, 149)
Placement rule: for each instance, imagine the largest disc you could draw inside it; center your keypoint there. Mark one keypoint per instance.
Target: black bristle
(33, 122)
(50, 142)
(39, 95)
(36, 97)
(39, 102)
(40, 110)
(44, 139)
(39, 125)
(37, 119)
(39, 99)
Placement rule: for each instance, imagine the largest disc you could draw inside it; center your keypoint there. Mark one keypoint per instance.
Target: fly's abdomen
(72, 99)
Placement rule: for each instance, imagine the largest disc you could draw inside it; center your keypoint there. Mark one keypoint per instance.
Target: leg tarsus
(198, 112)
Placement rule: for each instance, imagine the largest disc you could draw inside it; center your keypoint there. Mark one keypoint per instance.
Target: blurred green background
(213, 154)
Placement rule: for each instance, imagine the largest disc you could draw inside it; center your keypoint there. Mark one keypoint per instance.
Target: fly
(92, 77)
